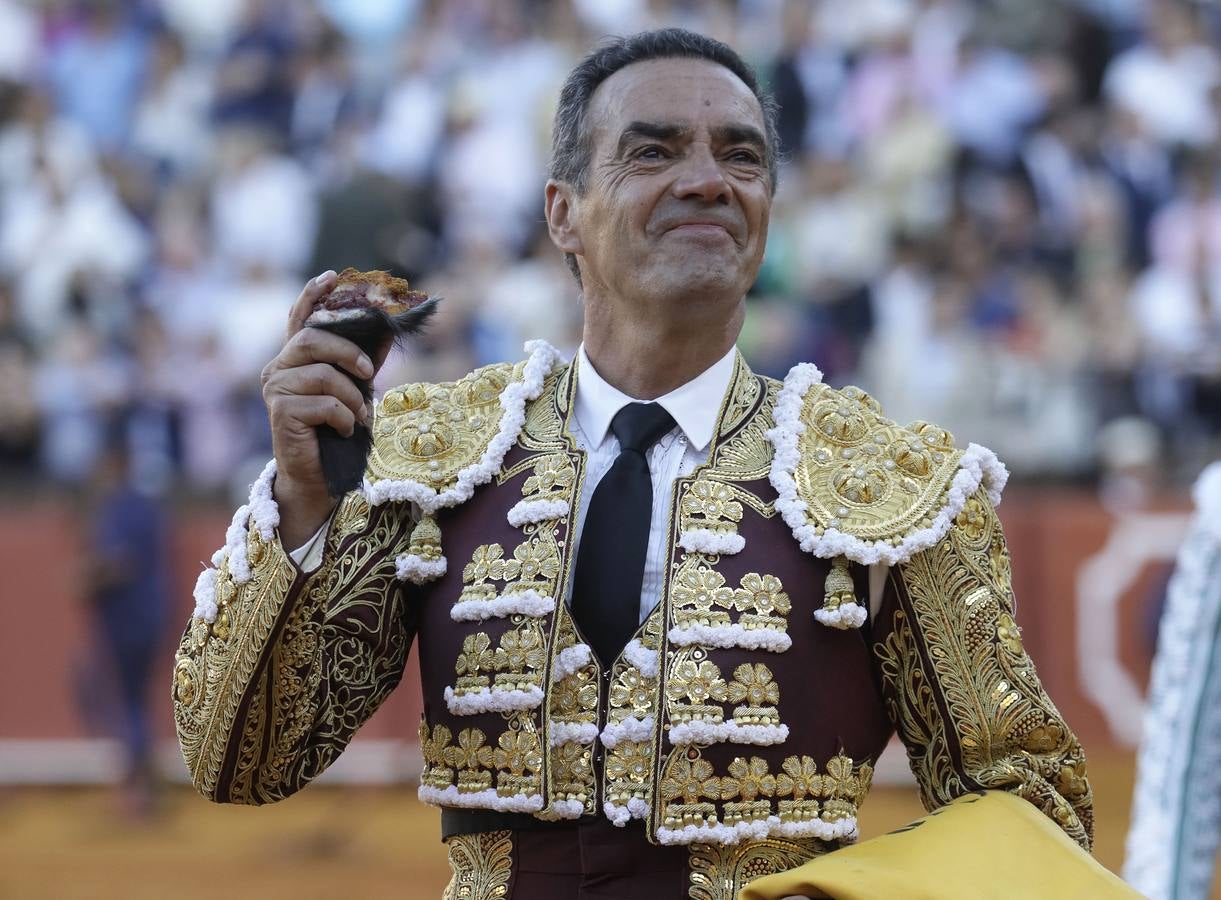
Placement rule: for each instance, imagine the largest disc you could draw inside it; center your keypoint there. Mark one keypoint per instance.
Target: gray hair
(572, 141)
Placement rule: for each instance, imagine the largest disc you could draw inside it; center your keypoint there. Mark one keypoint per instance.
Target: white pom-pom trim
(646, 660)
(727, 636)
(569, 660)
(205, 596)
(621, 815)
(523, 603)
(527, 512)
(418, 570)
(845, 616)
(543, 359)
(629, 729)
(492, 700)
(485, 799)
(977, 465)
(235, 545)
(704, 540)
(698, 732)
(567, 809)
(264, 511)
(841, 830)
(573, 733)
(1207, 497)
(261, 511)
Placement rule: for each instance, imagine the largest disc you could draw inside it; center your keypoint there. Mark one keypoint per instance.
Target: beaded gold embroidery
(278, 716)
(864, 475)
(535, 564)
(955, 646)
(430, 432)
(515, 664)
(700, 596)
(719, 872)
(691, 792)
(482, 865)
(710, 505)
(514, 763)
(695, 689)
(629, 764)
(756, 687)
(554, 478)
(573, 700)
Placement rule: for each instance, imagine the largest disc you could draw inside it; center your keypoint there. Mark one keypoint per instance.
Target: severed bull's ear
(373, 331)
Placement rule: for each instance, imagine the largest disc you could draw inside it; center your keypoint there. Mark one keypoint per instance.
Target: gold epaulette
(853, 483)
(434, 443)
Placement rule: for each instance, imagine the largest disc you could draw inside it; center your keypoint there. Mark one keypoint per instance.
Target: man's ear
(562, 220)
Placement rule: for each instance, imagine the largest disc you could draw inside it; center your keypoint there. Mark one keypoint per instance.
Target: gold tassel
(426, 540)
(838, 590)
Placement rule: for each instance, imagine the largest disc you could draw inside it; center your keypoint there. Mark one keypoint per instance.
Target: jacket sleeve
(960, 687)
(278, 668)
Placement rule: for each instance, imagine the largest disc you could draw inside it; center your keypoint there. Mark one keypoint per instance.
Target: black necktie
(610, 560)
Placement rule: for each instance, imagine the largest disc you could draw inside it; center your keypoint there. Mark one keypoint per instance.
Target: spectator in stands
(198, 157)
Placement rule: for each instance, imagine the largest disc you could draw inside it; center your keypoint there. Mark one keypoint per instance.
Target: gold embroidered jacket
(751, 704)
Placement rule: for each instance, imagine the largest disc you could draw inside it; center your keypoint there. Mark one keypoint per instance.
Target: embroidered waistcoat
(752, 702)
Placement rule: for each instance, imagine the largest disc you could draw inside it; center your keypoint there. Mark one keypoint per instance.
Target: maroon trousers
(588, 861)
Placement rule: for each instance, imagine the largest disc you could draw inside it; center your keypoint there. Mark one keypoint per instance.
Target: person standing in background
(126, 593)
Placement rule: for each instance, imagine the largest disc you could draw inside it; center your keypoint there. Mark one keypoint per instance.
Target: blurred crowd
(1002, 217)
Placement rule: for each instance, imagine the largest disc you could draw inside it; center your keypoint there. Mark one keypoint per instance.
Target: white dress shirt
(695, 407)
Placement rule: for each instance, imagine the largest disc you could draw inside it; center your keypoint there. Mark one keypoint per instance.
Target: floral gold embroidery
(696, 590)
(762, 594)
(689, 778)
(753, 684)
(973, 520)
(999, 730)
(633, 691)
(482, 866)
(720, 872)
(698, 682)
(554, 476)
(710, 505)
(476, 655)
(748, 780)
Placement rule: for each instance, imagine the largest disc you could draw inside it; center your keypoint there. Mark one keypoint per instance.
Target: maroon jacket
(752, 702)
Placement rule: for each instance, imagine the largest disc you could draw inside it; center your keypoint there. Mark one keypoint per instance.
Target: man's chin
(702, 282)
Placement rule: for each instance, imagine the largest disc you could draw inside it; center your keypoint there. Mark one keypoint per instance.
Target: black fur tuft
(344, 459)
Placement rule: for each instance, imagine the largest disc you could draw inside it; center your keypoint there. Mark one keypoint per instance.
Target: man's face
(678, 194)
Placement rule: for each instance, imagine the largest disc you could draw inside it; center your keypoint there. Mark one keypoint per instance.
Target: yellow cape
(981, 846)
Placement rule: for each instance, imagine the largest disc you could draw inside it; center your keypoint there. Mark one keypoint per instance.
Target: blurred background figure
(1176, 815)
(125, 587)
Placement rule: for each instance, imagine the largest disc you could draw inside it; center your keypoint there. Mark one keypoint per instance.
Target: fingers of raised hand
(286, 410)
(315, 345)
(318, 379)
(315, 288)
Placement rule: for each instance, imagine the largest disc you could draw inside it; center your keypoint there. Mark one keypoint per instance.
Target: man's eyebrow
(662, 131)
(739, 134)
(657, 131)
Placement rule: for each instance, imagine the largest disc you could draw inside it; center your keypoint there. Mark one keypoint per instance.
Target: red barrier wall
(46, 649)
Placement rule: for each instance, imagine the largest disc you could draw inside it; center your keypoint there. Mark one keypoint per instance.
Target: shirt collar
(695, 405)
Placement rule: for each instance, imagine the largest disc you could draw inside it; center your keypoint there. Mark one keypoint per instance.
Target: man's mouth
(699, 228)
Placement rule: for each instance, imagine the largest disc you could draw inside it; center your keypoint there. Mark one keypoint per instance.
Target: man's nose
(701, 178)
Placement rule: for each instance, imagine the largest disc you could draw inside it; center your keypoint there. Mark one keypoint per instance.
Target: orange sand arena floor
(327, 842)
